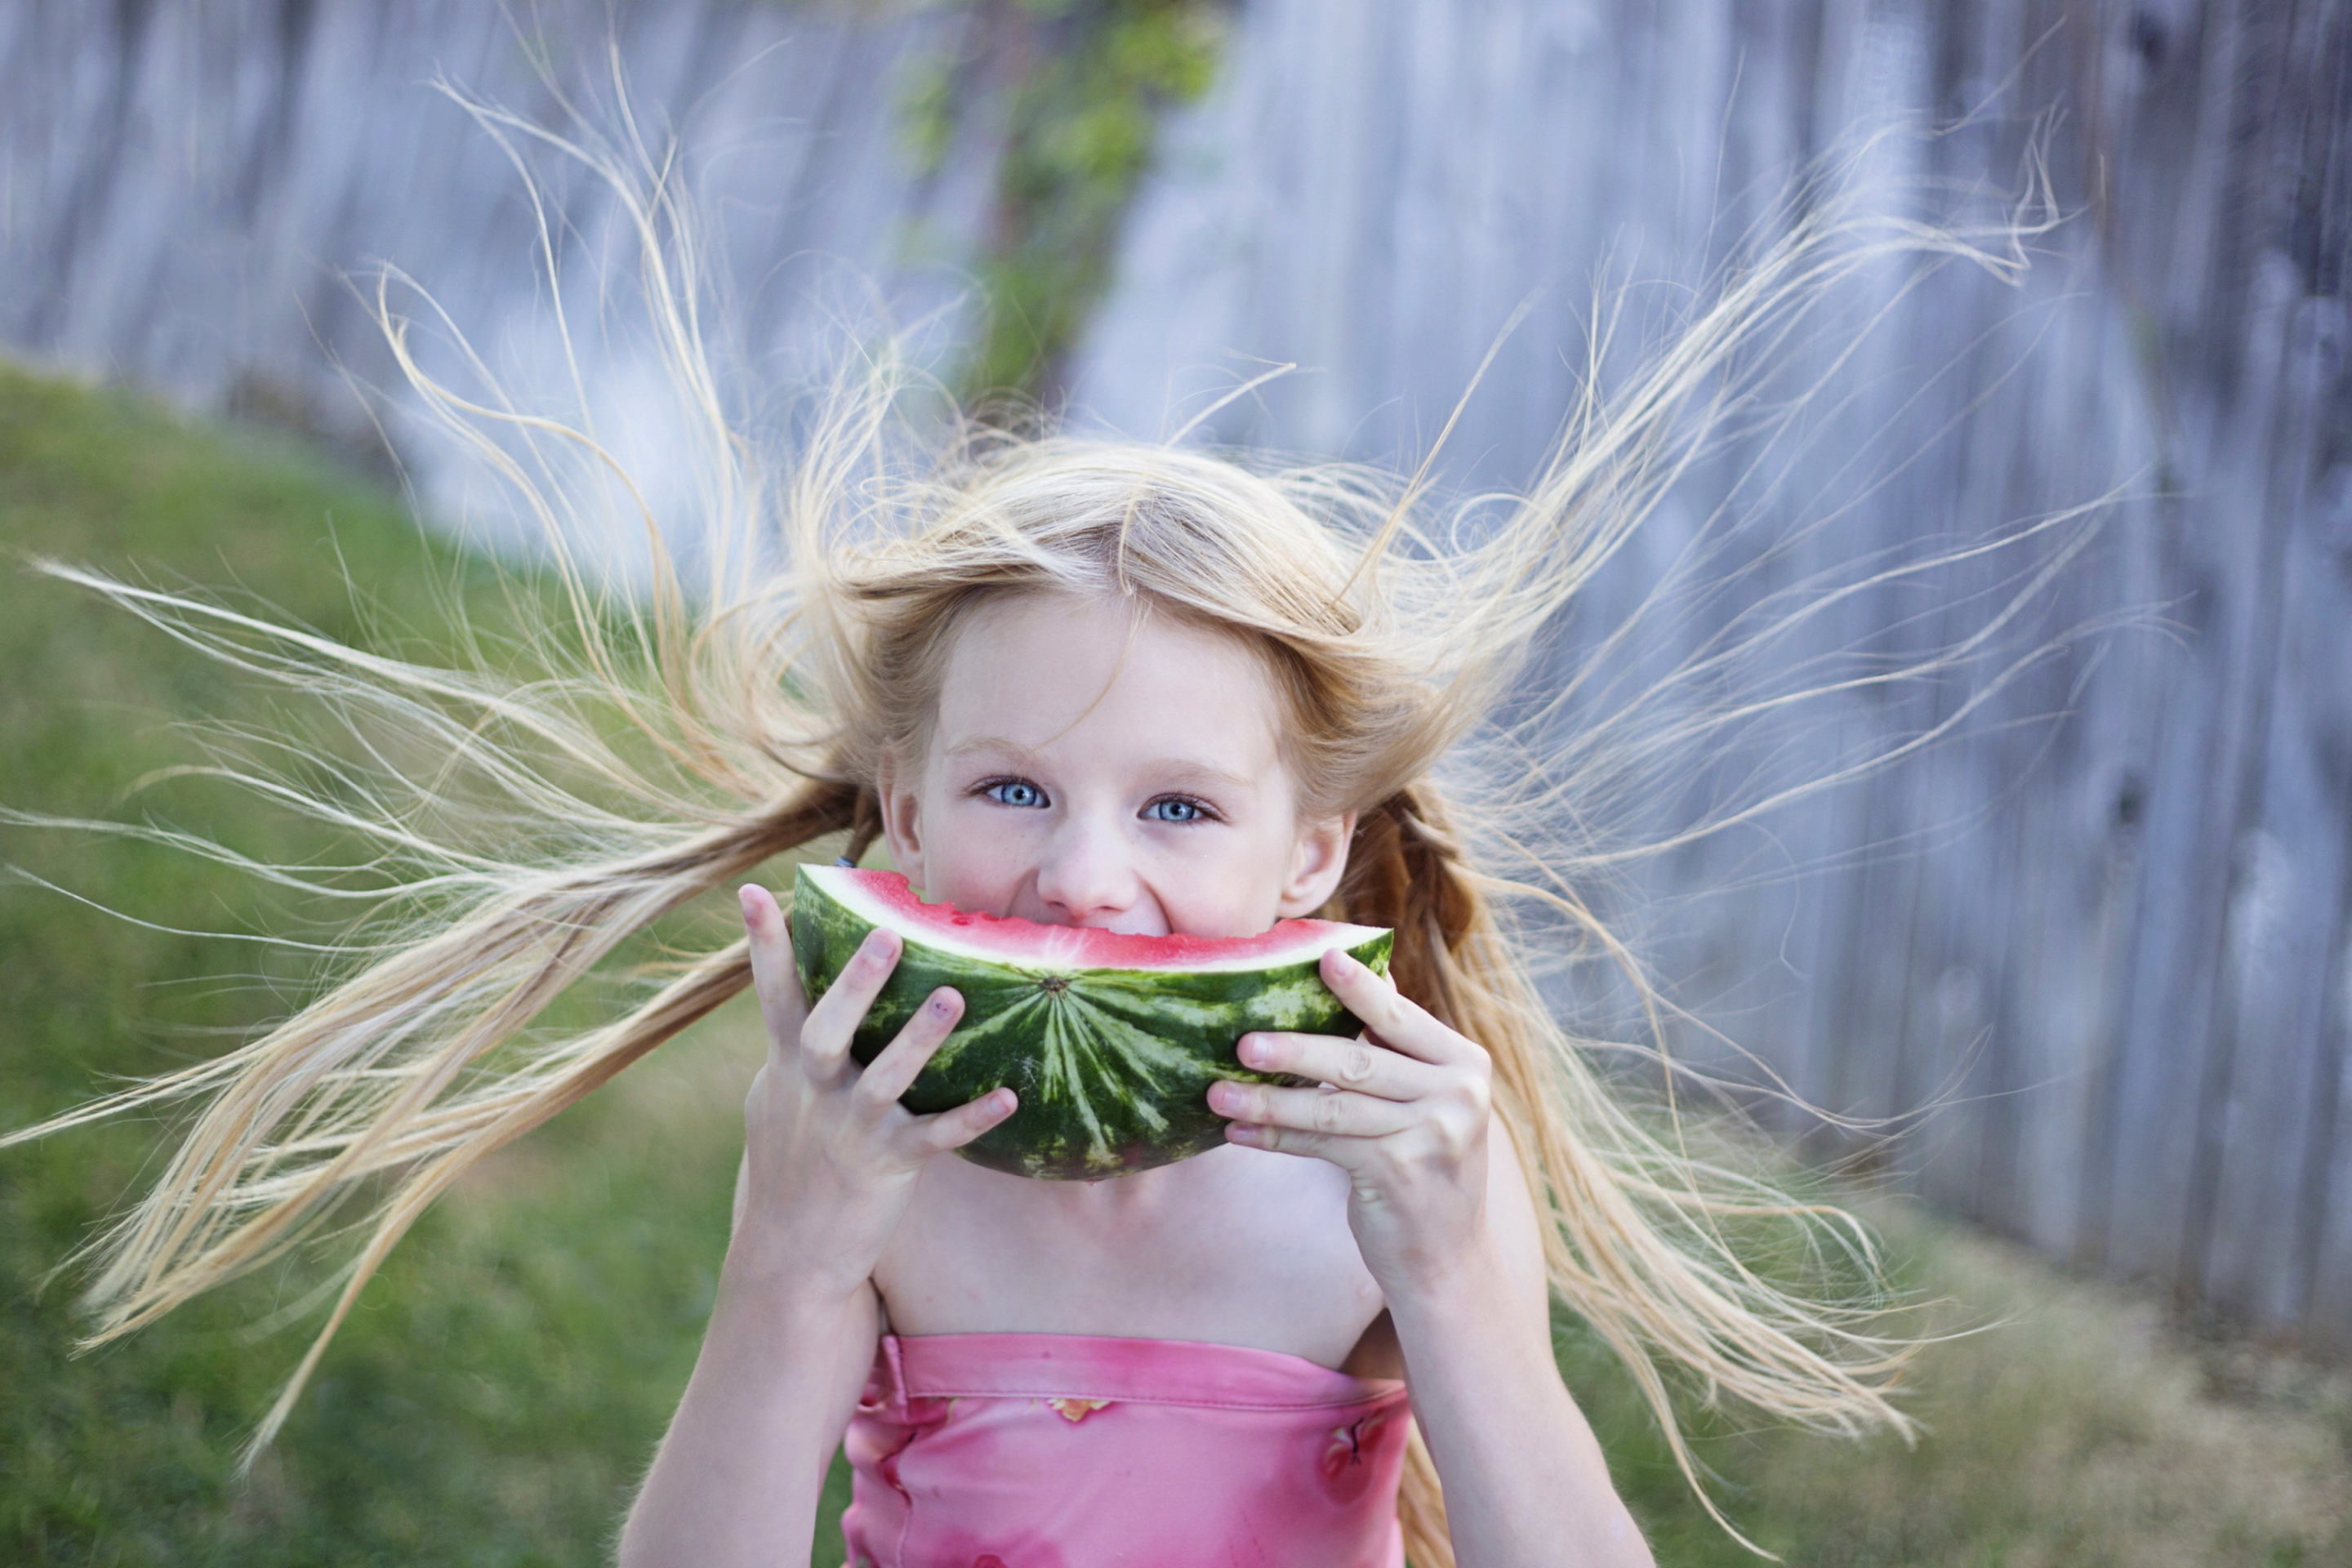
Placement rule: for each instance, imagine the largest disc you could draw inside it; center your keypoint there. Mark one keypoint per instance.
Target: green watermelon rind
(1112, 1066)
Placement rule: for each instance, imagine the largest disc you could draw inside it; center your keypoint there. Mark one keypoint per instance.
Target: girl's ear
(902, 822)
(1317, 864)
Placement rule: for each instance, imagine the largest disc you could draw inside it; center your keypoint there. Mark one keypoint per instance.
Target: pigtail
(1404, 873)
(383, 1076)
(1633, 1243)
(865, 826)
(1421, 1508)
(1398, 875)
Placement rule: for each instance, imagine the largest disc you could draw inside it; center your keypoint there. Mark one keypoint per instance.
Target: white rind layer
(1030, 945)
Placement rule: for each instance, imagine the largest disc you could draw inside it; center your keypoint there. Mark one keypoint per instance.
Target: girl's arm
(830, 1160)
(738, 1475)
(1446, 1225)
(1525, 1478)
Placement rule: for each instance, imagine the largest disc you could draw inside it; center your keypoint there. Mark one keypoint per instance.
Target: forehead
(1061, 675)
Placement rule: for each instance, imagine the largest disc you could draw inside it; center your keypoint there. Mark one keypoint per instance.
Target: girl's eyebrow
(1174, 770)
(1179, 771)
(993, 744)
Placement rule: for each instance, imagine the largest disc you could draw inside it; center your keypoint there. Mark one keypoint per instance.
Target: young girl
(1129, 689)
(1129, 686)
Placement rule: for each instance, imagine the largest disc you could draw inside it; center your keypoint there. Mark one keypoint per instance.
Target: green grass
(2068, 1426)
(508, 1374)
(507, 1377)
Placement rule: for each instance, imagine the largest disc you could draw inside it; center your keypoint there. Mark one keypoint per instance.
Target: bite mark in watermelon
(1111, 1040)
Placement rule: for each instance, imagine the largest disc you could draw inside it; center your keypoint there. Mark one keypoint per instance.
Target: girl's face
(1089, 768)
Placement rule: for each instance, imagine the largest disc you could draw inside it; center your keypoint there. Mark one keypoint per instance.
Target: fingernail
(942, 1003)
(1240, 1133)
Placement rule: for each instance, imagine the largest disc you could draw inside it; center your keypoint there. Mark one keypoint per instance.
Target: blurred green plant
(1085, 85)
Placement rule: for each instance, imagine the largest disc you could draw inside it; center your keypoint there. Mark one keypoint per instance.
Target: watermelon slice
(1111, 1040)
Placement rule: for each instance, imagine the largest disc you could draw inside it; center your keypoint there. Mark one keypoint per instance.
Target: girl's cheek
(977, 860)
(1230, 898)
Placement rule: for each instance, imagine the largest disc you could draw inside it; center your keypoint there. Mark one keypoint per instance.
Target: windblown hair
(696, 733)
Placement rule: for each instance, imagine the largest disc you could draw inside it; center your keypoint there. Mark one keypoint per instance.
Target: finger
(1344, 1152)
(886, 1076)
(833, 1022)
(954, 1129)
(1335, 1113)
(781, 1007)
(1387, 1016)
(1359, 1065)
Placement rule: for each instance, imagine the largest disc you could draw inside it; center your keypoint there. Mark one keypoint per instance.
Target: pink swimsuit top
(1069, 1451)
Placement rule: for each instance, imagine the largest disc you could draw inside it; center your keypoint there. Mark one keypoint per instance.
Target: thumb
(783, 1006)
(954, 1129)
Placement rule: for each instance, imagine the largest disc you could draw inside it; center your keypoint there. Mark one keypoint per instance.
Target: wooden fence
(2103, 932)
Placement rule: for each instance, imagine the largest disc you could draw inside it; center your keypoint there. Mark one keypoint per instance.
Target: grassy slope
(512, 1368)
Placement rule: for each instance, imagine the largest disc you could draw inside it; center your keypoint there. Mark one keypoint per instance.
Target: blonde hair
(680, 738)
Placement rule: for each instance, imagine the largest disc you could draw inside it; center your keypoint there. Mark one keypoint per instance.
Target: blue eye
(1016, 792)
(1175, 808)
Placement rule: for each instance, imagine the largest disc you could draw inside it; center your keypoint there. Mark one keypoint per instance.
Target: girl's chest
(1235, 1247)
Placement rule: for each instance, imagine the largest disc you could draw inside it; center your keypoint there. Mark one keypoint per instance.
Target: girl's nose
(1084, 876)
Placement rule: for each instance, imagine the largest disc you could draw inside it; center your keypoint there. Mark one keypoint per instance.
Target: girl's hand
(830, 1154)
(1404, 1110)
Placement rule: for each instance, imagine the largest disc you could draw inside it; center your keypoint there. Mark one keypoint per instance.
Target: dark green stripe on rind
(1112, 1066)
